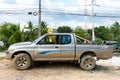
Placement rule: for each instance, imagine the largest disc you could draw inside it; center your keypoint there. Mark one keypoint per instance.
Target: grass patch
(2, 58)
(2, 48)
(117, 54)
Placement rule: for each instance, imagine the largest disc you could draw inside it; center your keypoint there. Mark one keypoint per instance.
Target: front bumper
(8, 55)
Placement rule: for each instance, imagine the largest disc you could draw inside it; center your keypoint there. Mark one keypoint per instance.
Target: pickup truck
(58, 47)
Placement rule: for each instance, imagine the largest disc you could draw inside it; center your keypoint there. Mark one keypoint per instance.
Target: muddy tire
(22, 61)
(87, 62)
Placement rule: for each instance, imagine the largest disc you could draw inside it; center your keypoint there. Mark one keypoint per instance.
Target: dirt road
(105, 70)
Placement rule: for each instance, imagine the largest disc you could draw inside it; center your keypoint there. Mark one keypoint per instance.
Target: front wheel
(87, 62)
(22, 61)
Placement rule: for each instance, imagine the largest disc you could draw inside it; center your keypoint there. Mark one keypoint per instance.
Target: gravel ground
(104, 70)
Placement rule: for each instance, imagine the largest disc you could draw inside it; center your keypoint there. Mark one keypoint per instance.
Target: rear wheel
(22, 61)
(87, 62)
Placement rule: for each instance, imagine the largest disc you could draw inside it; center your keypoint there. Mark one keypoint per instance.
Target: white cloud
(25, 1)
(19, 4)
(22, 19)
(110, 3)
(1, 1)
(61, 6)
(72, 23)
(47, 2)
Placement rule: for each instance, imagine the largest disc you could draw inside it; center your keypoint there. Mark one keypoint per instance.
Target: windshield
(36, 40)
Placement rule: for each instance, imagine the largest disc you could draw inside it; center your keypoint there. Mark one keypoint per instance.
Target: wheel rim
(22, 61)
(88, 63)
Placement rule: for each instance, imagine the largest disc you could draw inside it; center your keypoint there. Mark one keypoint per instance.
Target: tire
(87, 62)
(22, 61)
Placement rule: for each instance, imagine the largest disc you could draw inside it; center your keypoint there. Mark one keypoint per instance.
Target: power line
(52, 11)
(16, 3)
(64, 14)
(107, 16)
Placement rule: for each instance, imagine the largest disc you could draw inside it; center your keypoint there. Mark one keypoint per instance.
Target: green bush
(2, 48)
(98, 41)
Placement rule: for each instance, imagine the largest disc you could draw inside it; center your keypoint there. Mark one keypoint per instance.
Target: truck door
(67, 47)
(48, 48)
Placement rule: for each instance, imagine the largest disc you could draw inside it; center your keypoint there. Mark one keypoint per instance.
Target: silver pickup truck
(58, 47)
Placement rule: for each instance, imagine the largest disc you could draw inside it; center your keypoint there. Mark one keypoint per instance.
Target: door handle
(56, 47)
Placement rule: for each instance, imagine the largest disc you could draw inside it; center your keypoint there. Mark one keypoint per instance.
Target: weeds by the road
(2, 48)
(117, 54)
(2, 58)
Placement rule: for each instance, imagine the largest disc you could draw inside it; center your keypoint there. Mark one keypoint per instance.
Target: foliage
(44, 28)
(117, 54)
(28, 33)
(64, 29)
(115, 30)
(107, 33)
(2, 48)
(11, 33)
(102, 32)
(89, 34)
(31, 32)
(79, 32)
(98, 41)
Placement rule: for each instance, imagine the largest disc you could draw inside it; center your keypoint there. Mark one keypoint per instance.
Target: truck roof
(88, 41)
(59, 33)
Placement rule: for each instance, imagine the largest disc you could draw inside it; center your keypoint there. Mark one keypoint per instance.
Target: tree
(79, 32)
(89, 34)
(28, 34)
(115, 30)
(98, 41)
(44, 28)
(31, 32)
(11, 33)
(103, 33)
(64, 29)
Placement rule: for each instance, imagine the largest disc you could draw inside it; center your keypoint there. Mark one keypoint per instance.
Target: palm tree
(43, 28)
(30, 31)
(11, 33)
(29, 34)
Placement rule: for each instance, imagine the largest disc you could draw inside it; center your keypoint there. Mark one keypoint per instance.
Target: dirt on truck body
(58, 47)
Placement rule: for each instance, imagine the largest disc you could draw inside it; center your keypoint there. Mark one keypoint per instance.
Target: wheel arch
(87, 53)
(18, 52)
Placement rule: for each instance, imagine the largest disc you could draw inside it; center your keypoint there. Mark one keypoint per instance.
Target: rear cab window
(65, 39)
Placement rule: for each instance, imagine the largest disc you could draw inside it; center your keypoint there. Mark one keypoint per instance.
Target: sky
(61, 12)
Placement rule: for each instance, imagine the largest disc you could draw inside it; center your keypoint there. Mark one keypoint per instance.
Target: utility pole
(39, 19)
(93, 32)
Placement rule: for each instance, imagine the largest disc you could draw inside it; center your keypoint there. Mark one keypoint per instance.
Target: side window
(65, 39)
(50, 39)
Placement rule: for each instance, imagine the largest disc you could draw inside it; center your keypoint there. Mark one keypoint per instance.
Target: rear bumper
(107, 53)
